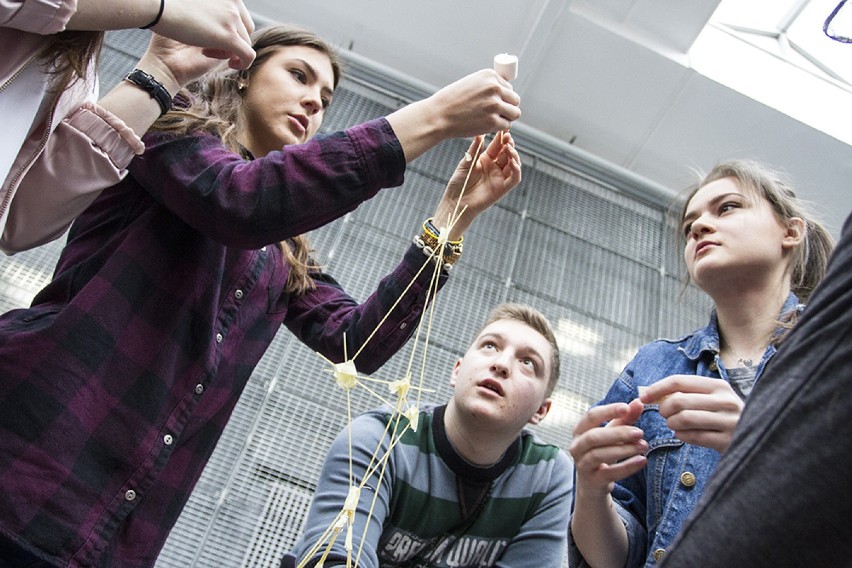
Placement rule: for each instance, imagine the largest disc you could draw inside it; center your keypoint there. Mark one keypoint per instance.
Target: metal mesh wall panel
(595, 213)
(600, 263)
(588, 277)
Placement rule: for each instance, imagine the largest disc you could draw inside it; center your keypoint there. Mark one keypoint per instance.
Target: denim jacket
(654, 503)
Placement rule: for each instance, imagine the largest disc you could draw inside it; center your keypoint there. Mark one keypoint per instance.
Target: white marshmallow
(506, 66)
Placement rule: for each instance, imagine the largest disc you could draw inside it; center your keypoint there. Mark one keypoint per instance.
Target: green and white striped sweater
(434, 509)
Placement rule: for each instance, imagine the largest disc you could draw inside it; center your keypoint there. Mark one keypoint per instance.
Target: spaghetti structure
(405, 414)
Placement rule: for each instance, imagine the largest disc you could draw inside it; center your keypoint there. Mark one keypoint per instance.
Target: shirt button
(219, 338)
(199, 389)
(239, 294)
(167, 439)
(263, 249)
(130, 495)
(659, 553)
(687, 478)
(403, 325)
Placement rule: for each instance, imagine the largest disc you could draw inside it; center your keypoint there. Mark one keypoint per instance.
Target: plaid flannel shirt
(119, 379)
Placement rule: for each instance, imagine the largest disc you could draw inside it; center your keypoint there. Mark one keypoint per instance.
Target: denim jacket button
(687, 478)
(713, 366)
(659, 553)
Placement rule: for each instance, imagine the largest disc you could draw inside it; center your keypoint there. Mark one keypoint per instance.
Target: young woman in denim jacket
(645, 453)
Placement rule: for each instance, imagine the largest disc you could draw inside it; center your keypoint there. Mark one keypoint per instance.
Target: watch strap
(154, 88)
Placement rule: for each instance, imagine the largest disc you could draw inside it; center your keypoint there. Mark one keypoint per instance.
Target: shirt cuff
(108, 132)
(42, 17)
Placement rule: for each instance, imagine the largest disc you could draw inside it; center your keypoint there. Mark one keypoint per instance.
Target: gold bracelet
(431, 237)
(430, 228)
(450, 252)
(446, 263)
(446, 253)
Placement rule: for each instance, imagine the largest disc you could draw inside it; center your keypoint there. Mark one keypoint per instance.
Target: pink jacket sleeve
(88, 152)
(37, 16)
(83, 149)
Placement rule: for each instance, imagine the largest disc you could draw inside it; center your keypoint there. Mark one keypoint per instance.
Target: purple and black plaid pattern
(118, 381)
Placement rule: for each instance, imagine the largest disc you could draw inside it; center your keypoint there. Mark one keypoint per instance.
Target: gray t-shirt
(742, 379)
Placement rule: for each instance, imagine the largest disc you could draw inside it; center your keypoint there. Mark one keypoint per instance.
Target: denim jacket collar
(707, 338)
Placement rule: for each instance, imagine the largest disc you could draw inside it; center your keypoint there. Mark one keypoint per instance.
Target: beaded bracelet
(431, 254)
(430, 243)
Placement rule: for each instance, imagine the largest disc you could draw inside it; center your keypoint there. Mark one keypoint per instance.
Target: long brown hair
(216, 106)
(68, 56)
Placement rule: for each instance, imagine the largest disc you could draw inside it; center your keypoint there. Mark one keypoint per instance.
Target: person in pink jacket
(60, 147)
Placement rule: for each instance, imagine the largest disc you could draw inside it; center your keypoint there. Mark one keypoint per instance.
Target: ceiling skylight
(792, 30)
(776, 52)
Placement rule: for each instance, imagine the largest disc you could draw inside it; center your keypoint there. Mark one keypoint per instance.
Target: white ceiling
(610, 76)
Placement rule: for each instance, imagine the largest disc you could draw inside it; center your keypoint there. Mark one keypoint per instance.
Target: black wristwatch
(153, 87)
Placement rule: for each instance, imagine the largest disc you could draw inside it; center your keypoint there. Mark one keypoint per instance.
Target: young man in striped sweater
(470, 486)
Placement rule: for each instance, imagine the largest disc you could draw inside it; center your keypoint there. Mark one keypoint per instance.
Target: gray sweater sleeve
(333, 488)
